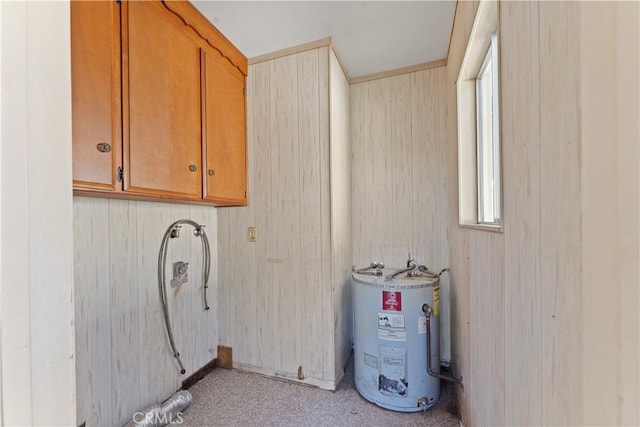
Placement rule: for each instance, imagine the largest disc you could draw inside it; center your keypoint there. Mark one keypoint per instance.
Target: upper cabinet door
(95, 89)
(224, 128)
(161, 90)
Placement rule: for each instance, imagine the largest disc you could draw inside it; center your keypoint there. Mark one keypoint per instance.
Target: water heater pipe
(426, 309)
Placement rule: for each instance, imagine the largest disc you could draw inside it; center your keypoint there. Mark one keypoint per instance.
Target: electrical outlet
(252, 234)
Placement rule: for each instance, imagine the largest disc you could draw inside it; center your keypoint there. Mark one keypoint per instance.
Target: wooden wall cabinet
(161, 94)
(165, 90)
(95, 92)
(224, 131)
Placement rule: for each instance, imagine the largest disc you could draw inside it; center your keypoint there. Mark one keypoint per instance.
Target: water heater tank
(390, 340)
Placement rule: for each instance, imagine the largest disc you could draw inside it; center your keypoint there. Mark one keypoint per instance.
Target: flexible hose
(172, 232)
(206, 265)
(158, 415)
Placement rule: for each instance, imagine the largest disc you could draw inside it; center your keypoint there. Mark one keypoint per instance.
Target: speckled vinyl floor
(234, 398)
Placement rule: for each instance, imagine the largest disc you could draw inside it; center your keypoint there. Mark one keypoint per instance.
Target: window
(487, 136)
(479, 177)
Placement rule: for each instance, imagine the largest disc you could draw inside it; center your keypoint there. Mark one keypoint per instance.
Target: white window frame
(483, 44)
(494, 202)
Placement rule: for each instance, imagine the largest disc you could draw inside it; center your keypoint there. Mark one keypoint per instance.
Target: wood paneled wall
(400, 175)
(518, 297)
(610, 180)
(280, 297)
(341, 238)
(123, 358)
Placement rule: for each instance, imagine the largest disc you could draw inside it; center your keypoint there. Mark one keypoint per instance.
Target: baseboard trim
(199, 374)
(286, 376)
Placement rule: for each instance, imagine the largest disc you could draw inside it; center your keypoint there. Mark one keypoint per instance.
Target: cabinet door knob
(193, 168)
(212, 172)
(104, 147)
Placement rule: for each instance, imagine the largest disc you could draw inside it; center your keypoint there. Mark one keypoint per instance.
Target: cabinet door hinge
(120, 174)
(244, 91)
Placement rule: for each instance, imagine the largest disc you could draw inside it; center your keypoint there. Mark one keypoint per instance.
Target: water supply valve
(180, 275)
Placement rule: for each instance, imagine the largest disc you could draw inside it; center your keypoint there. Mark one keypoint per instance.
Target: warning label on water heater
(391, 327)
(422, 324)
(391, 301)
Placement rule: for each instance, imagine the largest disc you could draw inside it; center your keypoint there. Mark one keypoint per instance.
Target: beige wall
(609, 50)
(281, 305)
(400, 180)
(341, 242)
(123, 358)
(37, 367)
(539, 337)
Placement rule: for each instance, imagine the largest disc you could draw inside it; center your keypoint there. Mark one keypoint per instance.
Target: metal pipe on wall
(174, 232)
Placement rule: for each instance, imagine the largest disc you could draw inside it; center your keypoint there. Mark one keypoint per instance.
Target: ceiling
(369, 36)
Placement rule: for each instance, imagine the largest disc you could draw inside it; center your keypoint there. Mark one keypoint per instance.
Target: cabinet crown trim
(192, 18)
